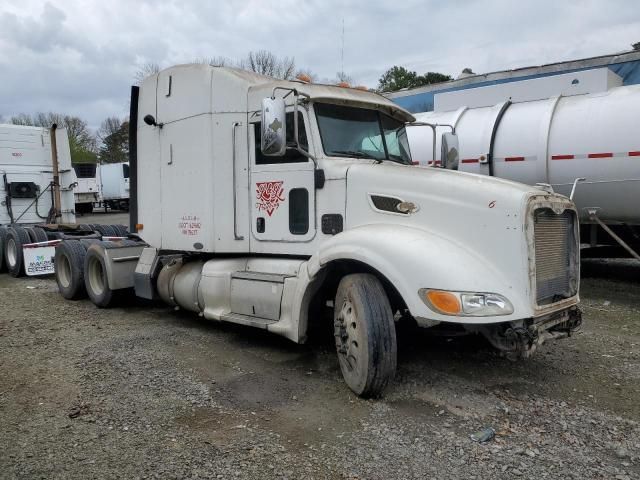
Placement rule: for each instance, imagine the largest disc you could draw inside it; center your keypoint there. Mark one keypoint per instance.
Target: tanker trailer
(588, 144)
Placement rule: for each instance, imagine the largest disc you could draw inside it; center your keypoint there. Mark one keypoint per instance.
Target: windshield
(361, 133)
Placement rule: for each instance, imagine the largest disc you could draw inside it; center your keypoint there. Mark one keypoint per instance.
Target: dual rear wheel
(12, 240)
(81, 272)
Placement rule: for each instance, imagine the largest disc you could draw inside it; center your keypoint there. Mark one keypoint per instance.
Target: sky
(80, 57)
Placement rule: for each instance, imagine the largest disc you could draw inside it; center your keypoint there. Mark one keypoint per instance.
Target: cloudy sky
(80, 57)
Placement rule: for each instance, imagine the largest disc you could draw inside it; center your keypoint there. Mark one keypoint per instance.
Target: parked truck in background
(263, 202)
(87, 187)
(585, 145)
(114, 185)
(37, 199)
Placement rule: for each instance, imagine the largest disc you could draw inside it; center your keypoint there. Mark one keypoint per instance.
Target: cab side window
(290, 156)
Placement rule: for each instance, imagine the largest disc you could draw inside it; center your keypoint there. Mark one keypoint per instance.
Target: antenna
(342, 51)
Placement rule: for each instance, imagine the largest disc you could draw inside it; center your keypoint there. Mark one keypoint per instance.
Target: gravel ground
(111, 218)
(148, 392)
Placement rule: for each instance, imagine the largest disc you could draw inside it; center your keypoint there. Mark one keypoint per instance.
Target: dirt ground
(111, 218)
(147, 392)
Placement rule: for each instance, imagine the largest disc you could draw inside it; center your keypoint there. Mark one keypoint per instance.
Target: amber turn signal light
(444, 302)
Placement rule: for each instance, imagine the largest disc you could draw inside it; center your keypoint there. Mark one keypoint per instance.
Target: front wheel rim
(348, 343)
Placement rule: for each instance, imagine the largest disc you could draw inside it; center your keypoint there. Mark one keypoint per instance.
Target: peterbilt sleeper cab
(262, 202)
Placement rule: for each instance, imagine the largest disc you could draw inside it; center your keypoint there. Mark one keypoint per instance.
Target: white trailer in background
(87, 188)
(114, 185)
(36, 187)
(585, 146)
(37, 199)
(265, 203)
(28, 167)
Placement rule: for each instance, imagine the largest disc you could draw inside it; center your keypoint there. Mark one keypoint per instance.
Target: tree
(108, 127)
(145, 71)
(636, 46)
(115, 141)
(266, 63)
(397, 78)
(81, 141)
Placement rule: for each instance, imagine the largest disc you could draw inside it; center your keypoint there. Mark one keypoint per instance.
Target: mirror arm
(295, 130)
(296, 94)
(433, 127)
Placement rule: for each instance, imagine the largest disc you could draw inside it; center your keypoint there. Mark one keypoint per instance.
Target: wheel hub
(346, 333)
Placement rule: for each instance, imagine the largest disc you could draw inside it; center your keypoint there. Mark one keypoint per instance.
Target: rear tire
(95, 278)
(37, 234)
(121, 230)
(3, 236)
(365, 334)
(106, 230)
(69, 262)
(14, 256)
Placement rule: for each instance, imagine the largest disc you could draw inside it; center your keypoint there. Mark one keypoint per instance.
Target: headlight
(485, 304)
(465, 304)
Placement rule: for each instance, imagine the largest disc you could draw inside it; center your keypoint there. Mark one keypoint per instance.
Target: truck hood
(483, 216)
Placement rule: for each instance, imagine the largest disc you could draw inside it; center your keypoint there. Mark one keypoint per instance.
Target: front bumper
(521, 339)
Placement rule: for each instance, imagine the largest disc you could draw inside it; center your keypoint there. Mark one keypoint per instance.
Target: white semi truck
(585, 145)
(36, 187)
(114, 185)
(38, 199)
(262, 202)
(87, 187)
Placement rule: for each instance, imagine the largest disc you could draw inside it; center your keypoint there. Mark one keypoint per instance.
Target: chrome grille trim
(555, 255)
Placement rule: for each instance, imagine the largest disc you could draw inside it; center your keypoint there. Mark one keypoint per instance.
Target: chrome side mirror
(450, 153)
(273, 132)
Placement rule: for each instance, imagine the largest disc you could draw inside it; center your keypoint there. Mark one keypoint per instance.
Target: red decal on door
(269, 196)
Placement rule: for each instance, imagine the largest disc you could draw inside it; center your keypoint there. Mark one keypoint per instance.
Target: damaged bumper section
(521, 339)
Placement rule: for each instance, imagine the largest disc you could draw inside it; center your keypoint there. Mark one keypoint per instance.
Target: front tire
(365, 334)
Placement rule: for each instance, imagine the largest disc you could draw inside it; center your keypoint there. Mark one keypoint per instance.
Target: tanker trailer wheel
(95, 278)
(13, 254)
(365, 334)
(3, 242)
(69, 262)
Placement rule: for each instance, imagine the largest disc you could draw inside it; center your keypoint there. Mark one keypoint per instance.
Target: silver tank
(552, 141)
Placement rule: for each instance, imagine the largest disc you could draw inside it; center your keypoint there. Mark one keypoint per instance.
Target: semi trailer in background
(37, 199)
(114, 185)
(32, 161)
(266, 203)
(87, 187)
(585, 146)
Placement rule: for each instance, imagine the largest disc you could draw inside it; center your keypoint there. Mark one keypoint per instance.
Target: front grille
(556, 255)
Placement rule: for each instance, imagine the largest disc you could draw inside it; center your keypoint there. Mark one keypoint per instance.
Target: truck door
(282, 190)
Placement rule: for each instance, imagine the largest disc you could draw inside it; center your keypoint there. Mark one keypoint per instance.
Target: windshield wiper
(397, 159)
(358, 154)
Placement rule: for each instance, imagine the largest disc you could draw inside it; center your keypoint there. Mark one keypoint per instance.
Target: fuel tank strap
(494, 131)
